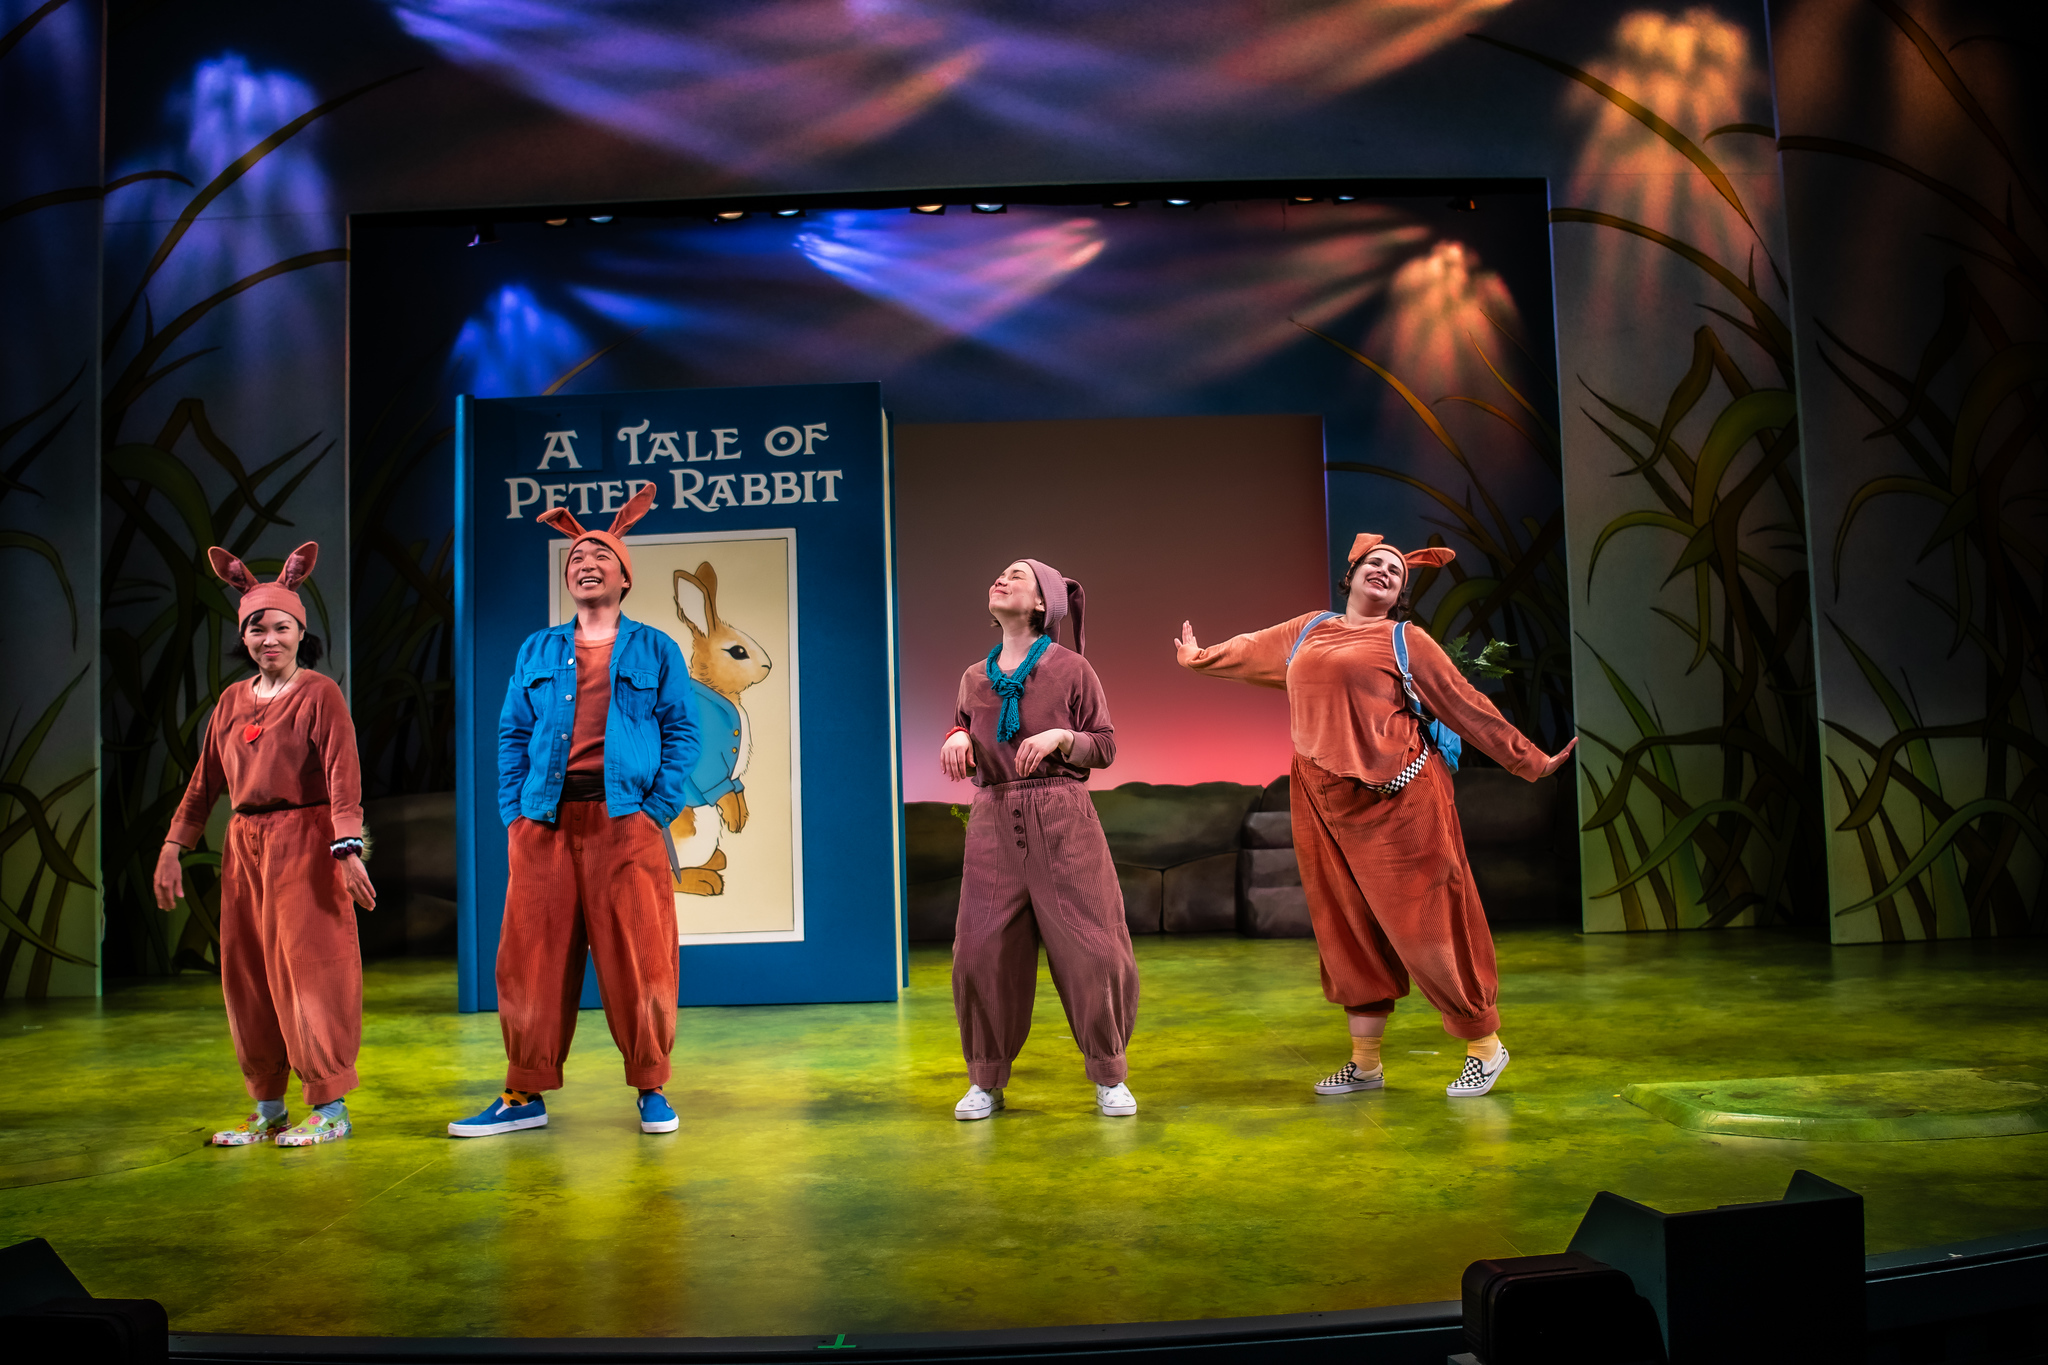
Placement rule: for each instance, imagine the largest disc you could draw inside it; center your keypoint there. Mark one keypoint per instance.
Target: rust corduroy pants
(591, 886)
(1391, 896)
(291, 970)
(1037, 867)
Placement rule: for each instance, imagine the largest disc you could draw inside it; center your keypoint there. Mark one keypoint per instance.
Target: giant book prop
(767, 557)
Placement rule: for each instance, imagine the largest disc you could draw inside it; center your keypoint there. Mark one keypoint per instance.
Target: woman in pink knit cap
(1031, 722)
(283, 747)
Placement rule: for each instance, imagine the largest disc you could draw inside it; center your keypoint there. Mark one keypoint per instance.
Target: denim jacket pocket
(635, 692)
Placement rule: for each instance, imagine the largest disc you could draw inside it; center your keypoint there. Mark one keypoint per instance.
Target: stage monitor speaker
(1777, 1281)
(45, 1314)
(1557, 1310)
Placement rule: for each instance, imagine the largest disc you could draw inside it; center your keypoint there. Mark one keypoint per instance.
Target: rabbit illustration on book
(724, 662)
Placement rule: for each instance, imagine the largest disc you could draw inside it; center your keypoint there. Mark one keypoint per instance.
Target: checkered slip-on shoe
(1348, 1078)
(1478, 1077)
(250, 1131)
(316, 1128)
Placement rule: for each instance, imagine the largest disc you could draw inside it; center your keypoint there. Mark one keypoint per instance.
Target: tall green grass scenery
(48, 885)
(1683, 853)
(1937, 813)
(168, 620)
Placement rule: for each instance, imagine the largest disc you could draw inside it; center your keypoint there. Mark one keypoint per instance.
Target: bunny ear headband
(636, 507)
(280, 595)
(1436, 556)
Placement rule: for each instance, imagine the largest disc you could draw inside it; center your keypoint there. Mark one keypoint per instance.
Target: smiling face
(1376, 583)
(1014, 595)
(596, 578)
(272, 639)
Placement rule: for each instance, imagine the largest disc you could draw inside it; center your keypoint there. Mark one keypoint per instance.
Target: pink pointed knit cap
(1062, 598)
(279, 595)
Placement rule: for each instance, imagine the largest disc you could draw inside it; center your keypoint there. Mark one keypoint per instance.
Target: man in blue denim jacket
(595, 751)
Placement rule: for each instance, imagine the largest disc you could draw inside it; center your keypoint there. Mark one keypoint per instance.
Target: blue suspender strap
(1313, 622)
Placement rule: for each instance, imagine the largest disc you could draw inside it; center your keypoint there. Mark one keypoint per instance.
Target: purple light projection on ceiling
(761, 87)
(515, 346)
(1126, 313)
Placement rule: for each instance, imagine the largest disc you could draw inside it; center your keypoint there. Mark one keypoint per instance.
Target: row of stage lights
(486, 233)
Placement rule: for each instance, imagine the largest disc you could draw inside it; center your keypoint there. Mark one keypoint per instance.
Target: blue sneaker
(655, 1114)
(502, 1115)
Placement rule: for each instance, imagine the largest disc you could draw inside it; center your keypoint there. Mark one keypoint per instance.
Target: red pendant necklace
(255, 727)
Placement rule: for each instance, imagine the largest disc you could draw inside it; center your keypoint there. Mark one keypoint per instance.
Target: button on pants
(1038, 868)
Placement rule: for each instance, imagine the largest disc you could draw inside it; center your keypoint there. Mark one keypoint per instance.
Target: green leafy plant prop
(1919, 841)
(1706, 859)
(1486, 663)
(162, 677)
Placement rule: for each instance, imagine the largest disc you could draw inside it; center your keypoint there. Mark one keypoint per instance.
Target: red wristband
(957, 730)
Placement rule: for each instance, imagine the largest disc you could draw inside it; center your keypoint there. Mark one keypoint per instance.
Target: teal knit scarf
(1010, 687)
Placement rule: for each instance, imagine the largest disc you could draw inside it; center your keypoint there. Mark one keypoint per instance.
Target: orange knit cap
(1436, 556)
(636, 507)
(278, 595)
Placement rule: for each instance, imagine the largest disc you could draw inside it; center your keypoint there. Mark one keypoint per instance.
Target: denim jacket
(650, 742)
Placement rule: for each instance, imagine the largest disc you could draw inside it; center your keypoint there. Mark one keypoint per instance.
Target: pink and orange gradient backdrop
(1215, 519)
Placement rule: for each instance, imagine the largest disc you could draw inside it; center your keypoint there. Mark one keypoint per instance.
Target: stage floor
(820, 1184)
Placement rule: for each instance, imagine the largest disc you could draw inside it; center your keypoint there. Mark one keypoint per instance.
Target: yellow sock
(1365, 1054)
(1485, 1049)
(515, 1098)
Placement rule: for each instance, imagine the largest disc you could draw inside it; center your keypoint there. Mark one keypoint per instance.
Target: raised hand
(1185, 648)
(1557, 759)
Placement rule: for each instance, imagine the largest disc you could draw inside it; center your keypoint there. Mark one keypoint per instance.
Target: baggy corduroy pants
(291, 969)
(597, 886)
(1037, 867)
(1391, 896)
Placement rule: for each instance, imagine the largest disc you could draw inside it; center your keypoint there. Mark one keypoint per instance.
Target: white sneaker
(978, 1103)
(1115, 1101)
(1478, 1077)
(1348, 1078)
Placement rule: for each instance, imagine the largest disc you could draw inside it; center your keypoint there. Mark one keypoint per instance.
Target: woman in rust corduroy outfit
(284, 748)
(1376, 830)
(1031, 721)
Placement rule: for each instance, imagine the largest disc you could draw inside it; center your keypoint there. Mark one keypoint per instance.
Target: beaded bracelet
(342, 848)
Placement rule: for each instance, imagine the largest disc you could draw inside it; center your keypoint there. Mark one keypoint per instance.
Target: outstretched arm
(1463, 707)
(1259, 658)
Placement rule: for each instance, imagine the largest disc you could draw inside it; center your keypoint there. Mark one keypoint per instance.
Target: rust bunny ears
(280, 595)
(636, 507)
(1436, 556)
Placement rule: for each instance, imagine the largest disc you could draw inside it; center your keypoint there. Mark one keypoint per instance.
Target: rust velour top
(593, 704)
(306, 756)
(1062, 693)
(1345, 707)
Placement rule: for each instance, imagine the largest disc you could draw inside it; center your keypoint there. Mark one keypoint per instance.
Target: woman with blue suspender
(1375, 825)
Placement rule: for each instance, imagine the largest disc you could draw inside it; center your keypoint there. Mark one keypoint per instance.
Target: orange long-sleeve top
(305, 756)
(1345, 707)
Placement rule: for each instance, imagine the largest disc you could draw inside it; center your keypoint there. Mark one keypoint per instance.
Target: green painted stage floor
(820, 1184)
